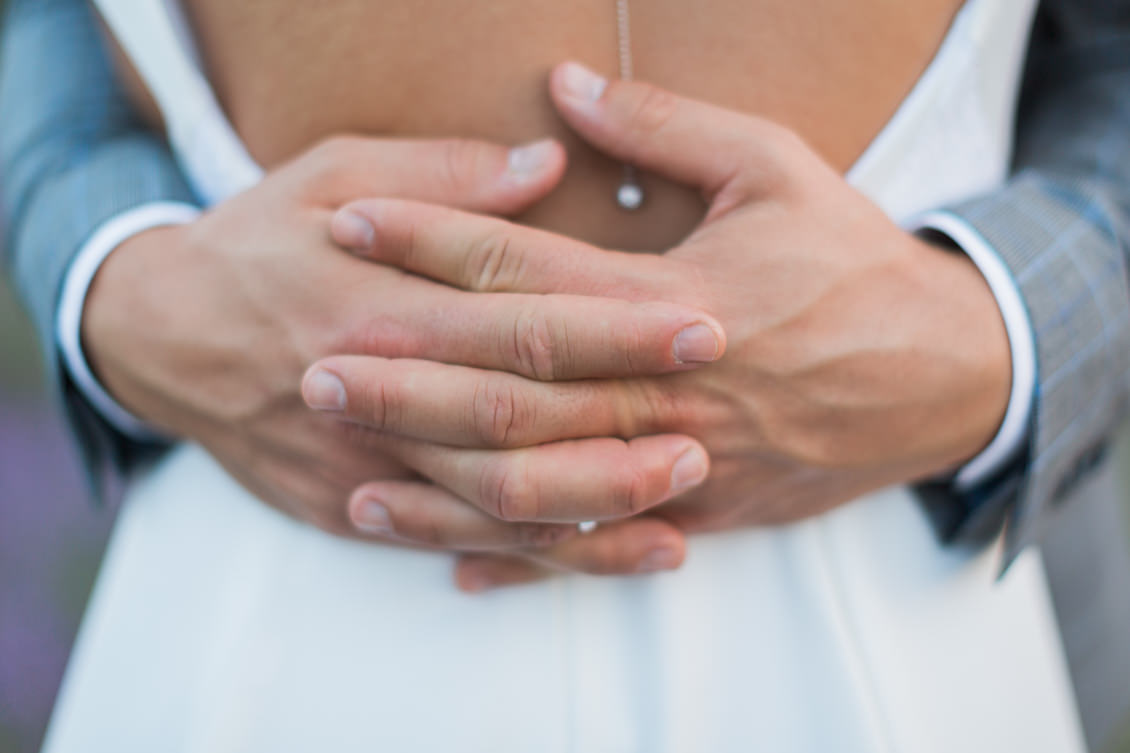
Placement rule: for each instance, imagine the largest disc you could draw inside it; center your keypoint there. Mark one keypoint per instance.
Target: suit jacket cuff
(1061, 245)
(1012, 435)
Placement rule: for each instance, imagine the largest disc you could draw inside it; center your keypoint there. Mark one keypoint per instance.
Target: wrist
(121, 321)
(973, 362)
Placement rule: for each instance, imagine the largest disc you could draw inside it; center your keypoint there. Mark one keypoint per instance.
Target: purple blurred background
(51, 539)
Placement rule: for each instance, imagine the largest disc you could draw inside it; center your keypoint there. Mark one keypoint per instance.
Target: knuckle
(381, 406)
(537, 536)
(352, 433)
(653, 110)
(634, 348)
(328, 168)
(426, 528)
(462, 162)
(492, 264)
(380, 333)
(332, 154)
(506, 492)
(655, 408)
(628, 491)
(788, 142)
(771, 168)
(532, 347)
(605, 558)
(501, 414)
(336, 148)
(691, 282)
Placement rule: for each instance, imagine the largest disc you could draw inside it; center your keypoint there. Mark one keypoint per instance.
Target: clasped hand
(855, 355)
(481, 386)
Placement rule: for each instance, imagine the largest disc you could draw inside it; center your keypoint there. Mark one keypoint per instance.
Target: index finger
(488, 254)
(545, 337)
(570, 481)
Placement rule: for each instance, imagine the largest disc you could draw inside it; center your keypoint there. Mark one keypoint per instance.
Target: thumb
(690, 142)
(478, 176)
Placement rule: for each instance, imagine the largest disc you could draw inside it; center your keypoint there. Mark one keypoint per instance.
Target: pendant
(629, 196)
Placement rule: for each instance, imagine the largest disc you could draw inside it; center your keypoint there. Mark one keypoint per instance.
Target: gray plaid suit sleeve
(1062, 226)
(72, 156)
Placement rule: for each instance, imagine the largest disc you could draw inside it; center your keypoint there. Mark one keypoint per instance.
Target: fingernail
(581, 83)
(353, 231)
(659, 559)
(324, 391)
(476, 582)
(372, 517)
(696, 344)
(690, 470)
(530, 159)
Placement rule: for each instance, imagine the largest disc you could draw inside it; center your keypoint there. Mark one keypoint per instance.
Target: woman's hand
(859, 355)
(205, 330)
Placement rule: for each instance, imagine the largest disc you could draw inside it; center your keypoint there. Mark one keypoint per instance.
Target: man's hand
(859, 356)
(206, 330)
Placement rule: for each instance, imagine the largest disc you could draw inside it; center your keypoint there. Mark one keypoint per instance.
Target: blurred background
(51, 538)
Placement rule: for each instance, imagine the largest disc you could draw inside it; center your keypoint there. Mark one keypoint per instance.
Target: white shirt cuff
(68, 322)
(1013, 431)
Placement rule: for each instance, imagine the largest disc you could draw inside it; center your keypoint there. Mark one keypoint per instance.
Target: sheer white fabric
(220, 625)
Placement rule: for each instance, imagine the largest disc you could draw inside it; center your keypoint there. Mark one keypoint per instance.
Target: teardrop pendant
(629, 195)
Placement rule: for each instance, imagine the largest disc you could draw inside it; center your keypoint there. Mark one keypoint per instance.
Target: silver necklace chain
(629, 195)
(624, 38)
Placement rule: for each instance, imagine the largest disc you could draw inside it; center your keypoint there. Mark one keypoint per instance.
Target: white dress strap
(154, 35)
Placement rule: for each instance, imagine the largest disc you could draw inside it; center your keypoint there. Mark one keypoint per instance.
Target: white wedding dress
(220, 625)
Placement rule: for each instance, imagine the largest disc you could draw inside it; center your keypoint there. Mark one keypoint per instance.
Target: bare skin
(290, 73)
(831, 74)
(205, 331)
(846, 336)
